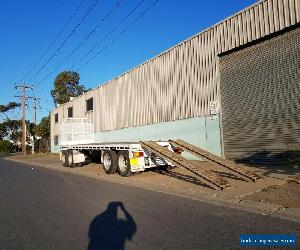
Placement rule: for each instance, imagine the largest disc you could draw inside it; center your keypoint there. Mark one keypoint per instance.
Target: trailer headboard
(76, 131)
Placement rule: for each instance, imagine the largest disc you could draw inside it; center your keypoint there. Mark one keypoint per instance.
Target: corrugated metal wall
(260, 97)
(181, 82)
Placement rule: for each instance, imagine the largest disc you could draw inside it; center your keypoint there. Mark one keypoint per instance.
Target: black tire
(64, 158)
(124, 169)
(79, 165)
(70, 159)
(96, 156)
(110, 161)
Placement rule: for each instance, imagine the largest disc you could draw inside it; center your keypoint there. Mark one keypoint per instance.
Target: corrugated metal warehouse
(232, 89)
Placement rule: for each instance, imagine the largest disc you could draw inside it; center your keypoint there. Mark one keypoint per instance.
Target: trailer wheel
(64, 158)
(79, 165)
(124, 164)
(110, 161)
(71, 163)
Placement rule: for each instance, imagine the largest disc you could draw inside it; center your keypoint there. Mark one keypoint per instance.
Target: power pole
(24, 86)
(34, 117)
(34, 98)
(34, 110)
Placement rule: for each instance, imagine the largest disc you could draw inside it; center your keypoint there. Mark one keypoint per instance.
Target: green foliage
(6, 125)
(43, 128)
(11, 129)
(2, 131)
(9, 106)
(5, 147)
(66, 85)
(30, 128)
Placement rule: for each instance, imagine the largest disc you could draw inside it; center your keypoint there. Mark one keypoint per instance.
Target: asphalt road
(45, 209)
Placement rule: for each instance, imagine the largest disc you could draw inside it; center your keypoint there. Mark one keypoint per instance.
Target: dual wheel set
(67, 159)
(112, 161)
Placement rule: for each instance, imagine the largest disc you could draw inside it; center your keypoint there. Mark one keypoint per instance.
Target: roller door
(260, 99)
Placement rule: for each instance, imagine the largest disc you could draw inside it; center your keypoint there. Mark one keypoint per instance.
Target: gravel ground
(286, 195)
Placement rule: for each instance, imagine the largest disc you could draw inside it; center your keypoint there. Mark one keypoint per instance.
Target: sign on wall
(214, 107)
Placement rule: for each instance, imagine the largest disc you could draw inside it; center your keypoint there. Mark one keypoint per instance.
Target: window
(56, 117)
(56, 140)
(70, 112)
(89, 104)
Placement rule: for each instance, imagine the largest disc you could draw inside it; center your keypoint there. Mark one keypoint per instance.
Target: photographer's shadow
(107, 231)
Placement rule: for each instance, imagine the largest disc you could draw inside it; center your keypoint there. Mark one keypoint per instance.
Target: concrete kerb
(262, 208)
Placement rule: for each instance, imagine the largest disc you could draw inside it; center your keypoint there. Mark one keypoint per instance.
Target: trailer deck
(102, 146)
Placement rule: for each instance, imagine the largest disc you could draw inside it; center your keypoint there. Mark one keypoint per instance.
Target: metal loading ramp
(207, 177)
(205, 155)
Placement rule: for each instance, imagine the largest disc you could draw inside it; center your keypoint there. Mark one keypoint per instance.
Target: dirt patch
(286, 195)
(296, 179)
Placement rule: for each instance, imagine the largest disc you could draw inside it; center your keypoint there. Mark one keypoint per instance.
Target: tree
(43, 128)
(12, 130)
(5, 147)
(42, 131)
(9, 129)
(66, 85)
(2, 131)
(9, 106)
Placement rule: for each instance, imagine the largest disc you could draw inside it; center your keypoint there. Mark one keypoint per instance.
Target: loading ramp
(207, 156)
(207, 177)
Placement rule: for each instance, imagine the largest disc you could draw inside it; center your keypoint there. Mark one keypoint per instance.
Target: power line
(120, 34)
(55, 39)
(115, 38)
(98, 44)
(87, 13)
(87, 37)
(93, 31)
(109, 33)
(56, 68)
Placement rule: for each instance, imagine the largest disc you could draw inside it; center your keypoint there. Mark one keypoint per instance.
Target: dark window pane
(70, 112)
(56, 117)
(56, 140)
(89, 104)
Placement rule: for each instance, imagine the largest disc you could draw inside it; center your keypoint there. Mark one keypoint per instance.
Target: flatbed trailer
(123, 157)
(77, 148)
